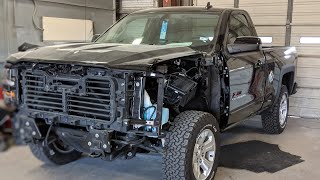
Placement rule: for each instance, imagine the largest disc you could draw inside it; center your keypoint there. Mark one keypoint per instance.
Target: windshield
(183, 29)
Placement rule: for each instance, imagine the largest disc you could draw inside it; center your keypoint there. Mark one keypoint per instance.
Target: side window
(238, 26)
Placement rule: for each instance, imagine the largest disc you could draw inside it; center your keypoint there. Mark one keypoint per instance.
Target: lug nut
(33, 133)
(104, 146)
(97, 135)
(89, 143)
(27, 123)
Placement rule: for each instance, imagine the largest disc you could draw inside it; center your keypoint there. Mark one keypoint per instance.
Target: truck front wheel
(274, 120)
(192, 147)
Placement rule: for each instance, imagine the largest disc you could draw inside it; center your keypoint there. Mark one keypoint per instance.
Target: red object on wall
(168, 3)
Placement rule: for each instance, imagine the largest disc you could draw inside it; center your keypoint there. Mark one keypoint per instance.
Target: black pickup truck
(165, 80)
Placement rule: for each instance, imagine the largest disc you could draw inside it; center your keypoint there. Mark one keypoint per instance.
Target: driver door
(246, 71)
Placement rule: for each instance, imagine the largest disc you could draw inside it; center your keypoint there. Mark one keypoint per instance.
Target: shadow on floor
(257, 156)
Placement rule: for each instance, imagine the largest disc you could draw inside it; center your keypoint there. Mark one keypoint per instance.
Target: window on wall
(266, 40)
(310, 40)
(238, 26)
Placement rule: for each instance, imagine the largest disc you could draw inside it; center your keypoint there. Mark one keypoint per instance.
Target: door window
(238, 26)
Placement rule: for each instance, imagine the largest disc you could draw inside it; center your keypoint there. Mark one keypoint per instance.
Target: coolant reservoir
(150, 110)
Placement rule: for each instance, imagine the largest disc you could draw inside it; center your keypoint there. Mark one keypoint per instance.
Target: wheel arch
(287, 76)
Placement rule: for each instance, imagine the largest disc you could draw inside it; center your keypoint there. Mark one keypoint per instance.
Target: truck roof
(181, 9)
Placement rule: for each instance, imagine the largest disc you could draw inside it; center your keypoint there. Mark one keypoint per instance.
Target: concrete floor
(301, 138)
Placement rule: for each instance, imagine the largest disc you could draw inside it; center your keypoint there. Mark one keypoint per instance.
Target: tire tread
(174, 161)
(270, 119)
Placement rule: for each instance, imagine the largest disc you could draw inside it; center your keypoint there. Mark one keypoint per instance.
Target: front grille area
(87, 97)
(96, 104)
(38, 99)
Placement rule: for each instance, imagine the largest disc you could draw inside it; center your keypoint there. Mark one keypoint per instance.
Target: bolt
(27, 123)
(137, 84)
(129, 154)
(33, 133)
(89, 143)
(104, 146)
(122, 84)
(97, 135)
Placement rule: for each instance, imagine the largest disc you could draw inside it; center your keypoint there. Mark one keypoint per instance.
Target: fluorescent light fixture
(310, 40)
(266, 40)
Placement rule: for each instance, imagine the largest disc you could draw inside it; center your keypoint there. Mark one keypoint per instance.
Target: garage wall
(306, 23)
(269, 17)
(128, 6)
(16, 20)
(3, 46)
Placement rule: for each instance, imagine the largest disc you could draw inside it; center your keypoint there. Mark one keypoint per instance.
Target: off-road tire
(180, 142)
(49, 155)
(270, 118)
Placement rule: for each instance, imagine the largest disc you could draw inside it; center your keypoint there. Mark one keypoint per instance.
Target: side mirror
(245, 44)
(95, 37)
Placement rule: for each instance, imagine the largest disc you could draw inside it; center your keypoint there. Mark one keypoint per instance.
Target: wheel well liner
(288, 80)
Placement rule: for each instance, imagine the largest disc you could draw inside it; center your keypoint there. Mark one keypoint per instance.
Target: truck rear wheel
(55, 153)
(274, 121)
(192, 147)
